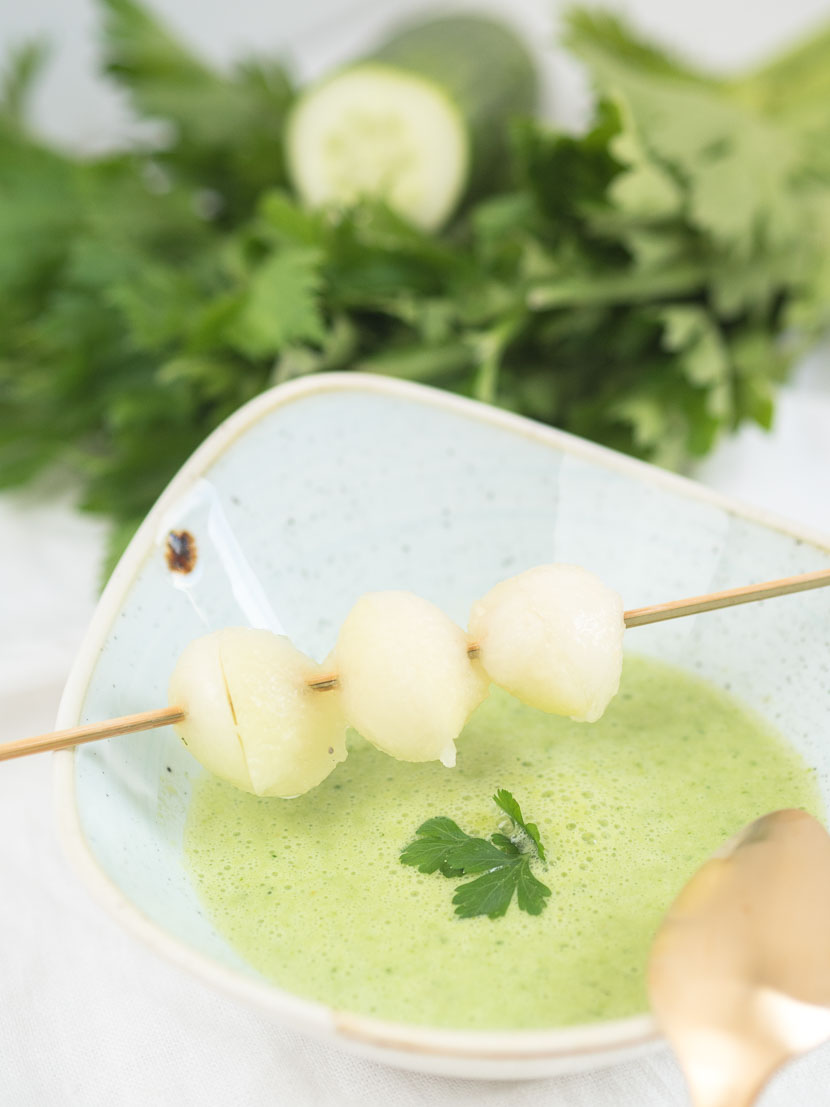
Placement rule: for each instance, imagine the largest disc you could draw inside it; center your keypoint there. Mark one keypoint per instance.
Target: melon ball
(250, 716)
(208, 728)
(406, 681)
(552, 636)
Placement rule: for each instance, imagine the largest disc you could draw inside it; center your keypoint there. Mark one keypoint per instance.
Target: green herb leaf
(281, 304)
(510, 806)
(225, 130)
(22, 68)
(492, 893)
(442, 846)
(504, 843)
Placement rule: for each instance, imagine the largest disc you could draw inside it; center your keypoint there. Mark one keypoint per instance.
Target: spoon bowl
(739, 976)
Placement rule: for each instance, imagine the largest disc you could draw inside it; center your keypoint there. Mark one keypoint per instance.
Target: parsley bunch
(504, 862)
(645, 284)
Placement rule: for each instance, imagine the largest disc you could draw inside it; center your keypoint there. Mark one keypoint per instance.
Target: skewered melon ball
(249, 715)
(406, 680)
(553, 637)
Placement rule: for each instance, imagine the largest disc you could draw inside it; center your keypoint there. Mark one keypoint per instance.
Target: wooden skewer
(656, 613)
(659, 612)
(91, 732)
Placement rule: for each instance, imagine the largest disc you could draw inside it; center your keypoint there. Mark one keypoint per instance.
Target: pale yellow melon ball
(208, 728)
(406, 681)
(251, 717)
(553, 637)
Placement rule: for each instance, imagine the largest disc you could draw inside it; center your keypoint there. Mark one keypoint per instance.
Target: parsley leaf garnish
(510, 806)
(504, 862)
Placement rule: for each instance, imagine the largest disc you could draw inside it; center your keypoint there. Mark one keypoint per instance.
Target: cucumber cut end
(374, 132)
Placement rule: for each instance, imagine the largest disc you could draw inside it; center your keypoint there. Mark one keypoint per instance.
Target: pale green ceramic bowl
(332, 486)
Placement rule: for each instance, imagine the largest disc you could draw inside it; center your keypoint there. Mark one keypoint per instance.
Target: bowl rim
(597, 1039)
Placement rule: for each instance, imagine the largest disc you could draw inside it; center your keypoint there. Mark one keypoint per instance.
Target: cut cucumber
(379, 132)
(418, 125)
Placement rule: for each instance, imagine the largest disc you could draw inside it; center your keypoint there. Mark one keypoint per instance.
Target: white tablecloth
(89, 1018)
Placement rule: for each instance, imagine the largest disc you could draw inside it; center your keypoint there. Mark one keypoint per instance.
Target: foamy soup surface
(312, 893)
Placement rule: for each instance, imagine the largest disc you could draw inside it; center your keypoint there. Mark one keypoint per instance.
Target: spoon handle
(722, 1096)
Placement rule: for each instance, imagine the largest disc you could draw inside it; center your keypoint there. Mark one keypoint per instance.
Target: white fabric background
(88, 1017)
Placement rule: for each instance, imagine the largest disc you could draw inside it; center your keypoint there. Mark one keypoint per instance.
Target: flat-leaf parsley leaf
(510, 806)
(504, 862)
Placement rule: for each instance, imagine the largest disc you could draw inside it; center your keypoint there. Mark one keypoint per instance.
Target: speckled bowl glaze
(328, 487)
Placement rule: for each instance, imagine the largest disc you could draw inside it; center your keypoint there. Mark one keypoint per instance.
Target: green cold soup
(311, 891)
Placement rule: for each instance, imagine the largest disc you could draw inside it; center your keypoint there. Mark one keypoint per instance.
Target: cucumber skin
(485, 70)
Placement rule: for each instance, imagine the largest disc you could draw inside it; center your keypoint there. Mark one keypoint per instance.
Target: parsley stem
(621, 288)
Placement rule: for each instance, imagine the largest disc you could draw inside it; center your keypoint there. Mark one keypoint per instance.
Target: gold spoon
(739, 976)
